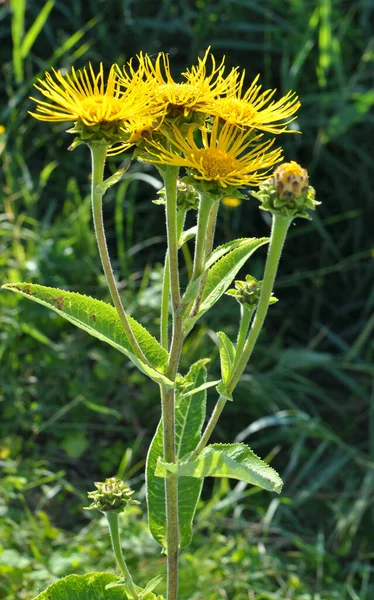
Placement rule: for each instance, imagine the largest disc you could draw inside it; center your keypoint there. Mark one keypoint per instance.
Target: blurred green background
(74, 411)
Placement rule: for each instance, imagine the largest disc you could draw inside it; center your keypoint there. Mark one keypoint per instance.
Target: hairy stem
(164, 323)
(112, 518)
(167, 395)
(98, 155)
(245, 320)
(170, 180)
(278, 235)
(211, 226)
(201, 236)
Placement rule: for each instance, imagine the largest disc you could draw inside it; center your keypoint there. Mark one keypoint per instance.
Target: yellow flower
(195, 94)
(221, 157)
(231, 201)
(254, 109)
(2, 129)
(84, 96)
(140, 128)
(94, 102)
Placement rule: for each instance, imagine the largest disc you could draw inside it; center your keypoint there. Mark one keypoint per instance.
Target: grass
(73, 412)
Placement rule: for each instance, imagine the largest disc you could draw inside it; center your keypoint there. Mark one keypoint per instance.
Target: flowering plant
(217, 132)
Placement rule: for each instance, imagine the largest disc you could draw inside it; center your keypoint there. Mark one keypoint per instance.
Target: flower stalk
(280, 227)
(113, 518)
(98, 155)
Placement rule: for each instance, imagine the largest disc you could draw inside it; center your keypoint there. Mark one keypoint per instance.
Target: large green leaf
(189, 419)
(222, 273)
(236, 461)
(100, 320)
(93, 586)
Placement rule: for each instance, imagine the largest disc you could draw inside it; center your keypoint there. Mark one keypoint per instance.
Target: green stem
(171, 494)
(98, 155)
(173, 226)
(210, 229)
(278, 235)
(170, 180)
(245, 320)
(112, 518)
(164, 339)
(280, 227)
(201, 236)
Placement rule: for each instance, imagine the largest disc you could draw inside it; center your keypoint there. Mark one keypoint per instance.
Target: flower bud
(291, 180)
(248, 292)
(112, 494)
(287, 192)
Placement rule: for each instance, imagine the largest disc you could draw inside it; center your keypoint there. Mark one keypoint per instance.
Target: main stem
(98, 155)
(112, 518)
(168, 395)
(280, 227)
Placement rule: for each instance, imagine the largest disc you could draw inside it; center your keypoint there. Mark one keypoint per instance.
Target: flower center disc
(215, 163)
(98, 108)
(234, 109)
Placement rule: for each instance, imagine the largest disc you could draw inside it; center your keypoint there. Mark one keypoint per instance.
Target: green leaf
(224, 249)
(226, 354)
(187, 235)
(189, 419)
(236, 461)
(113, 179)
(100, 320)
(221, 275)
(83, 587)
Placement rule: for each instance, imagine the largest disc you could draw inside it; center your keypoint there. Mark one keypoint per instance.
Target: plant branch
(98, 155)
(280, 227)
(211, 226)
(112, 518)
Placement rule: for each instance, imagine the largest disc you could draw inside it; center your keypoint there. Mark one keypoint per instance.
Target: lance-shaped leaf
(236, 461)
(226, 355)
(221, 275)
(100, 320)
(189, 419)
(93, 586)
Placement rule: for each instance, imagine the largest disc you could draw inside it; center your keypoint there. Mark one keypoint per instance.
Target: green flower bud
(112, 494)
(287, 192)
(248, 292)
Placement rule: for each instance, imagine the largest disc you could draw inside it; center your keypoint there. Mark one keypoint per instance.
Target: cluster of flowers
(209, 123)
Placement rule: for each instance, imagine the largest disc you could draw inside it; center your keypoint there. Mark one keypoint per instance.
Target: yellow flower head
(91, 100)
(181, 98)
(140, 128)
(221, 158)
(84, 96)
(254, 109)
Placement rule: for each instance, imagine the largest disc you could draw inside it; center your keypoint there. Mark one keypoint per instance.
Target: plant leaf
(187, 235)
(226, 354)
(189, 419)
(113, 179)
(221, 275)
(224, 249)
(100, 320)
(236, 461)
(83, 587)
